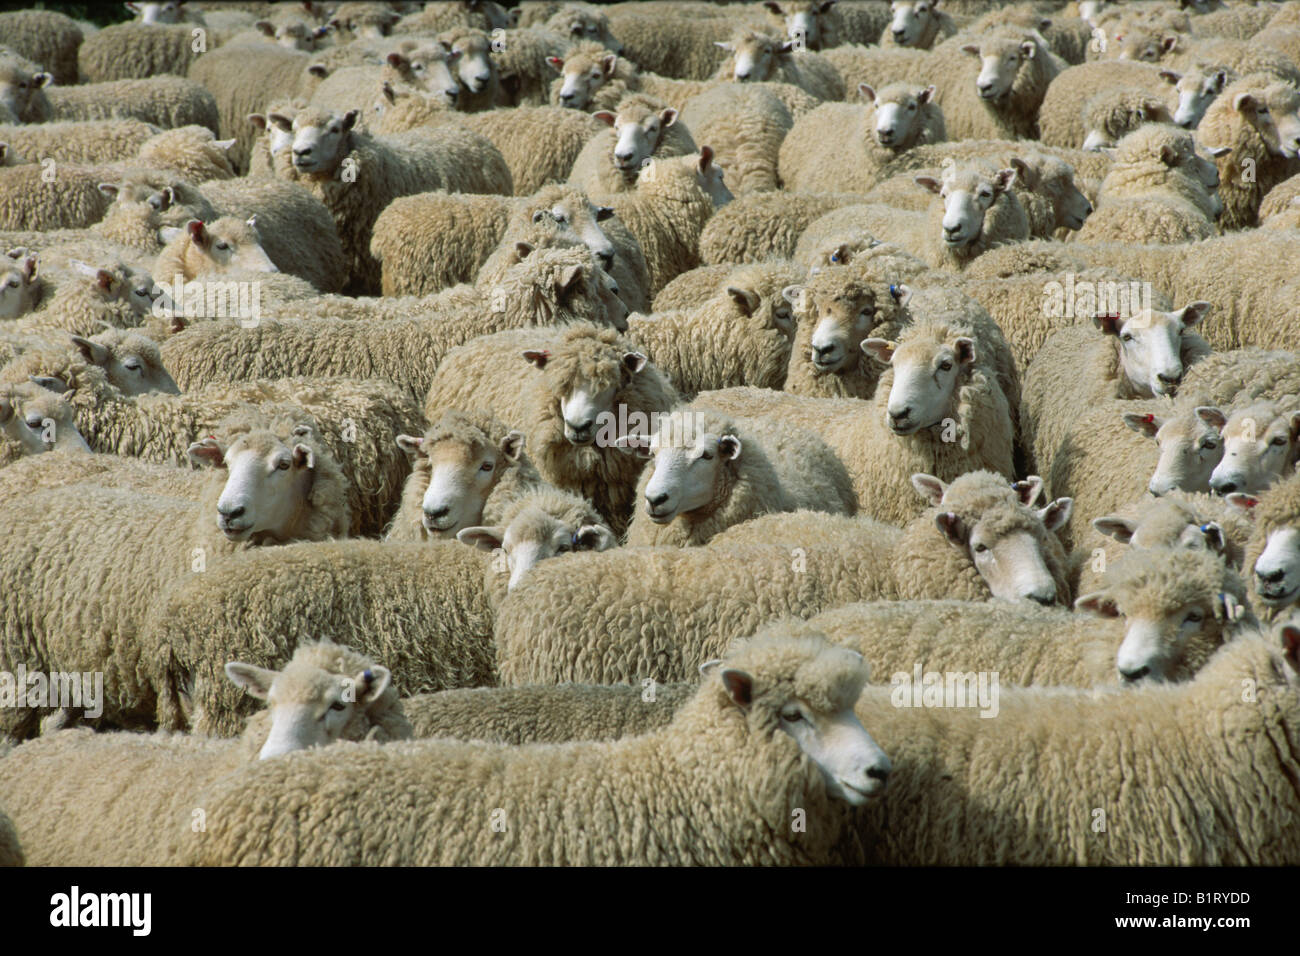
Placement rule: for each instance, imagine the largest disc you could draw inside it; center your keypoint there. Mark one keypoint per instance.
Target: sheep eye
(981, 548)
(223, 246)
(706, 455)
(1210, 444)
(1195, 617)
(945, 365)
(282, 465)
(418, 67)
(537, 216)
(1279, 440)
(486, 466)
(131, 366)
(563, 549)
(338, 705)
(1127, 337)
(792, 716)
(34, 424)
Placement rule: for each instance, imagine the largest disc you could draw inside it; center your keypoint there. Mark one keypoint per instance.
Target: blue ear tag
(893, 290)
(573, 539)
(1204, 528)
(367, 676)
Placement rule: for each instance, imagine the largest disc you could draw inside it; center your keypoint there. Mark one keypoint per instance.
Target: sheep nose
(1087, 209)
(1135, 675)
(299, 153)
(1186, 124)
(622, 157)
(1044, 599)
(1170, 378)
(899, 34)
(231, 513)
(1223, 487)
(567, 95)
(902, 415)
(1270, 577)
(606, 262)
(440, 513)
(878, 773)
(825, 351)
(656, 501)
(742, 75)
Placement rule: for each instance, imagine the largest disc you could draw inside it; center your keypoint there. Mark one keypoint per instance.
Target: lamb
(917, 24)
(938, 408)
(673, 607)
(1001, 816)
(464, 471)
(711, 472)
(746, 125)
(755, 685)
(836, 311)
(862, 140)
(586, 387)
(256, 502)
(1142, 355)
(739, 335)
(132, 51)
(667, 212)
(540, 524)
(155, 776)
(754, 57)
(46, 37)
(1247, 119)
(1261, 443)
(1272, 556)
(356, 175)
(552, 287)
(1112, 114)
(612, 160)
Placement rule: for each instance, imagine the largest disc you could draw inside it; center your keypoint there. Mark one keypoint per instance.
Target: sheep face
(156, 12)
(638, 133)
(926, 378)
(1169, 524)
(292, 36)
(369, 23)
(474, 67)
(613, 308)
(967, 195)
(1000, 61)
(14, 428)
(536, 534)
(582, 76)
(1143, 45)
(429, 70)
(810, 700)
(1150, 346)
(692, 468)
(578, 24)
(228, 244)
(462, 474)
(802, 19)
(897, 114)
(309, 707)
(1190, 450)
(911, 20)
(320, 139)
(580, 221)
(18, 87)
(754, 56)
(40, 408)
(1054, 177)
(1196, 91)
(131, 363)
(1254, 109)
(18, 286)
(586, 395)
(1010, 560)
(709, 177)
(1277, 569)
(267, 486)
(1284, 105)
(842, 323)
(1259, 447)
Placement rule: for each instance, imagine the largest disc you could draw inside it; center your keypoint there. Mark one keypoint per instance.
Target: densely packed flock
(651, 433)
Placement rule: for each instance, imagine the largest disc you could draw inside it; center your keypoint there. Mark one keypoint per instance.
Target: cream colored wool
(764, 226)
(595, 170)
(45, 37)
(746, 125)
(135, 50)
(1278, 508)
(163, 101)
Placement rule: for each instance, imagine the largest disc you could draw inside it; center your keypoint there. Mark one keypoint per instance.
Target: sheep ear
(1055, 515)
(724, 45)
(594, 537)
(318, 70)
(1170, 77)
(746, 299)
(223, 144)
(867, 92)
(109, 189)
(93, 352)
(1217, 152)
(635, 443)
(793, 294)
(412, 445)
(604, 212)
(396, 60)
(634, 362)
(1211, 416)
(1214, 537)
(1290, 638)
(926, 95)
(1192, 314)
(1108, 322)
(667, 117)
(1004, 180)
(608, 64)
(708, 667)
(706, 158)
(739, 686)
(266, 27)
(878, 349)
(1168, 155)
(280, 122)
(1029, 49)
(512, 446)
(929, 487)
(605, 116)
(971, 49)
(568, 277)
(304, 457)
(197, 232)
(928, 182)
(481, 537)
(1245, 103)
(350, 119)
(49, 383)
(536, 357)
(207, 452)
(256, 681)
(1220, 79)
(523, 250)
(372, 682)
(1028, 489)
(951, 527)
(965, 349)
(1230, 608)
(729, 447)
(1144, 424)
(774, 7)
(1115, 526)
(1169, 44)
(1099, 603)
(1242, 502)
(901, 293)
(1023, 171)
(556, 63)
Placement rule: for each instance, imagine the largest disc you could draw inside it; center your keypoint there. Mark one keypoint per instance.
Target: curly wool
(594, 171)
(89, 142)
(137, 50)
(764, 226)
(835, 291)
(1061, 118)
(1278, 508)
(46, 37)
(163, 101)
(745, 124)
(517, 131)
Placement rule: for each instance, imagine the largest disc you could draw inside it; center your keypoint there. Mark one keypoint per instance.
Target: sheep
(167, 102)
(1237, 809)
(739, 334)
(423, 71)
(17, 438)
(92, 297)
(759, 684)
(592, 78)
(29, 199)
(586, 386)
(192, 152)
(667, 212)
(46, 37)
(1190, 448)
(1113, 113)
(1001, 99)
(917, 24)
(1140, 355)
(1061, 118)
(464, 470)
(19, 290)
(225, 245)
(672, 607)
(544, 714)
(1068, 37)
(1247, 118)
(836, 311)
(436, 17)
(49, 416)
(87, 143)
(1272, 558)
(356, 175)
(862, 140)
(612, 160)
(254, 502)
(687, 51)
(711, 472)
(1280, 200)
(475, 69)
(552, 287)
(246, 80)
(755, 56)
(1157, 190)
(516, 133)
(763, 226)
(363, 21)
(1261, 442)
(155, 776)
(745, 125)
(132, 51)
(819, 24)
(1197, 88)
(72, 467)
